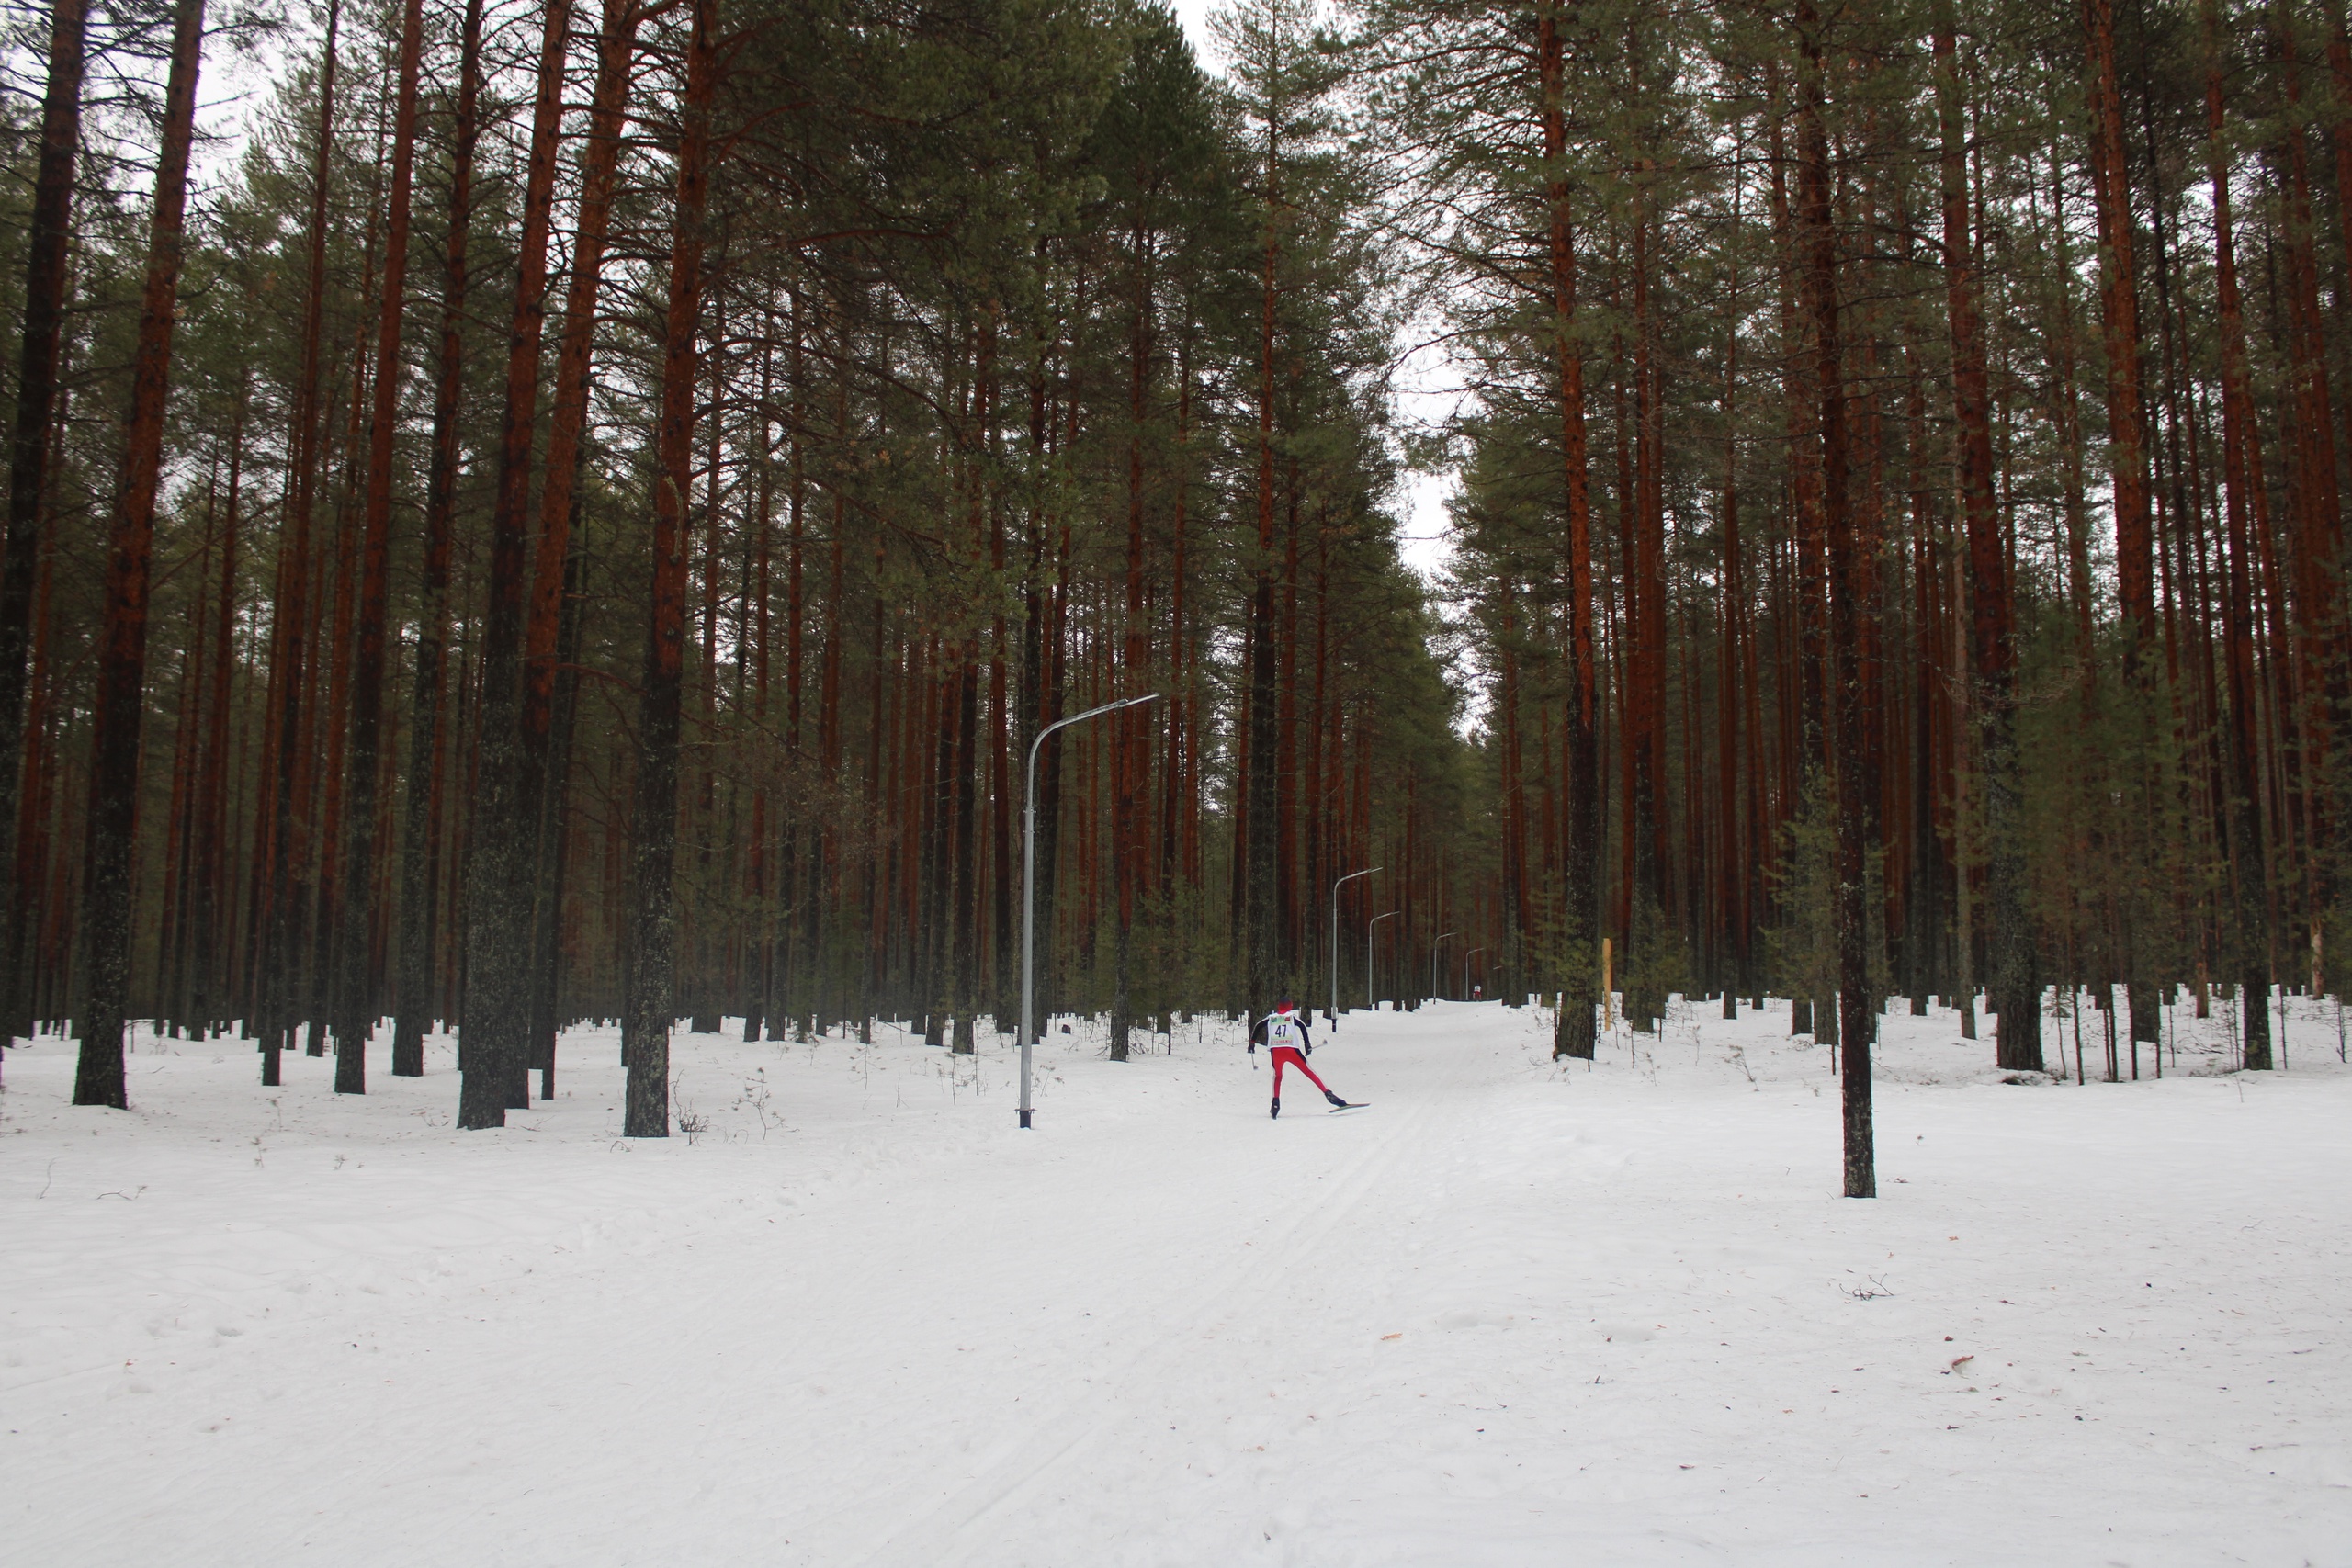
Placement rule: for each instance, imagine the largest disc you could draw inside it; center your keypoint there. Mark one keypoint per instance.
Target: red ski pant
(1288, 1056)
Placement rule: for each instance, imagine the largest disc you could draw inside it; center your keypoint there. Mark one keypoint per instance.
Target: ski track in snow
(1519, 1313)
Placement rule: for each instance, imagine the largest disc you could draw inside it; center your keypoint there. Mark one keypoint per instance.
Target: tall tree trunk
(1856, 772)
(212, 902)
(2318, 506)
(338, 640)
(37, 385)
(2128, 467)
(552, 605)
(1922, 904)
(1132, 734)
(768, 875)
(2015, 985)
(420, 842)
(356, 990)
(1731, 864)
(122, 651)
(967, 782)
(2240, 471)
(1002, 981)
(1509, 702)
(34, 802)
(284, 808)
(501, 867)
(1577, 1027)
(653, 928)
(828, 716)
(171, 944)
(1257, 866)
(551, 827)
(1647, 938)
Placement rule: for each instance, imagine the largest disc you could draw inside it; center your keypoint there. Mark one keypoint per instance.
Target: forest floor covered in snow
(1515, 1312)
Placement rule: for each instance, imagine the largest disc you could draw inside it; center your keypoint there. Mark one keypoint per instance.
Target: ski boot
(1337, 1103)
(1277, 1111)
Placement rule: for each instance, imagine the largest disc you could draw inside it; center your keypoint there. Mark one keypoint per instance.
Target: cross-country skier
(1283, 1034)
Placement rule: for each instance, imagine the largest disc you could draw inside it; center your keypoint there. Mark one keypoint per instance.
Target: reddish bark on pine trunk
(499, 865)
(37, 387)
(1577, 1027)
(654, 919)
(122, 648)
(421, 842)
(354, 988)
(2241, 463)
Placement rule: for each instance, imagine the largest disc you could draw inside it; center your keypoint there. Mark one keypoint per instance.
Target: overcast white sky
(1423, 385)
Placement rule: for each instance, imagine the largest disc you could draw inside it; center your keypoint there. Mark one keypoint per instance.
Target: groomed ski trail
(1285, 1203)
(1534, 1312)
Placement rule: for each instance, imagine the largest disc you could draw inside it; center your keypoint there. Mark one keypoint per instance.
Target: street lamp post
(1335, 937)
(1434, 952)
(1372, 1003)
(1029, 884)
(1465, 967)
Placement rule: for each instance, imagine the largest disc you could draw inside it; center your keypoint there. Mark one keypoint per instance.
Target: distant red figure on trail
(1283, 1034)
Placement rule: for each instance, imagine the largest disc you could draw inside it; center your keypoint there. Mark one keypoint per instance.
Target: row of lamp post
(1029, 907)
(1435, 948)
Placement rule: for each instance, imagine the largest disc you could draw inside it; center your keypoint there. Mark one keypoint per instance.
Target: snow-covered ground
(1513, 1313)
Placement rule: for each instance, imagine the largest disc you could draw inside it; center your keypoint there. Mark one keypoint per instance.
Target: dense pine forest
(548, 513)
